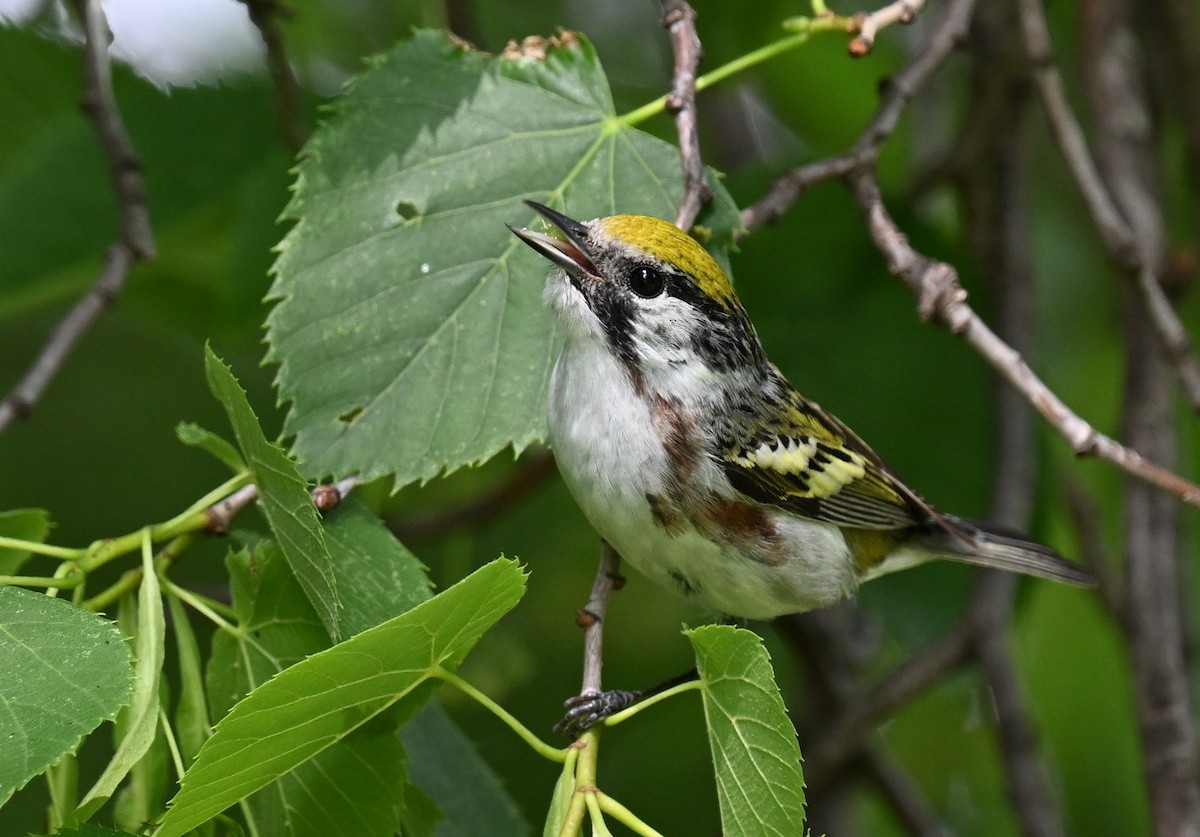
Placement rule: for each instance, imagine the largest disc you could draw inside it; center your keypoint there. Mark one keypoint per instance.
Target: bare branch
(1025, 772)
(325, 497)
(1087, 522)
(532, 472)
(994, 179)
(941, 298)
(843, 734)
(265, 14)
(1125, 145)
(135, 241)
(789, 186)
(1130, 251)
(1155, 624)
(221, 514)
(901, 795)
(680, 21)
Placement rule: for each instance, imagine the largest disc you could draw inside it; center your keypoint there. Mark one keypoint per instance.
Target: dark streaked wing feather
(844, 483)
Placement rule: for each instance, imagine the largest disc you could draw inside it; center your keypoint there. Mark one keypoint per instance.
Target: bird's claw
(590, 708)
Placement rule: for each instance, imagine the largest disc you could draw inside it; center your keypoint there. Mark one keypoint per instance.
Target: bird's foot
(591, 708)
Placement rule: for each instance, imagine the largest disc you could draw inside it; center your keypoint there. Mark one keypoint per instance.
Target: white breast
(611, 458)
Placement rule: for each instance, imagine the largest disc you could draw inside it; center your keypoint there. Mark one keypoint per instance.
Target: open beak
(568, 251)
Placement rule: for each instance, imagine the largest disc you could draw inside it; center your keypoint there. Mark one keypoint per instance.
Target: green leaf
(22, 524)
(352, 789)
(192, 726)
(444, 764)
(560, 802)
(420, 815)
(277, 627)
(194, 435)
(409, 329)
(760, 785)
(322, 699)
(65, 672)
(141, 718)
(377, 577)
(357, 782)
(283, 494)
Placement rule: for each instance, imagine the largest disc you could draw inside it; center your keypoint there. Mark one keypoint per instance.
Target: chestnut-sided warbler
(693, 456)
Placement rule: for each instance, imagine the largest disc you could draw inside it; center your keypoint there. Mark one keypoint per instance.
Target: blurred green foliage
(100, 452)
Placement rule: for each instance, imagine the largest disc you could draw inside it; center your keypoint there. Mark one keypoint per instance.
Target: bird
(693, 456)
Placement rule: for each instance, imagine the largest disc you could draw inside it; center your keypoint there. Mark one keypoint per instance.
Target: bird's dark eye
(646, 282)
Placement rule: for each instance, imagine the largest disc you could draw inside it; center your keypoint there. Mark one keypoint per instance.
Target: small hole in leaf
(406, 210)
(350, 415)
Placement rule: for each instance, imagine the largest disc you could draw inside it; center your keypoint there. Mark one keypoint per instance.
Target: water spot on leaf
(350, 415)
(406, 210)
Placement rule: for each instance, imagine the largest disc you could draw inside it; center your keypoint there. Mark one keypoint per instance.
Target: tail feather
(991, 546)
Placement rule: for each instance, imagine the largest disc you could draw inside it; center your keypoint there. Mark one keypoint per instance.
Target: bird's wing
(783, 450)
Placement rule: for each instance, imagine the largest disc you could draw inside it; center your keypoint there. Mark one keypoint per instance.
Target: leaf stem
(624, 816)
(805, 28)
(626, 714)
(593, 805)
(539, 746)
(132, 578)
(206, 607)
(37, 548)
(42, 581)
(172, 744)
(219, 493)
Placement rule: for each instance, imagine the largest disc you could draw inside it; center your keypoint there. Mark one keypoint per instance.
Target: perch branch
(591, 617)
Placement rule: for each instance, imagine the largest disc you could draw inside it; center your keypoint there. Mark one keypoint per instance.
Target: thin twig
(899, 92)
(532, 471)
(941, 298)
(1117, 229)
(680, 21)
(901, 11)
(135, 241)
(934, 283)
(324, 497)
(221, 514)
(843, 734)
(901, 794)
(994, 179)
(265, 14)
(1089, 532)
(1125, 143)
